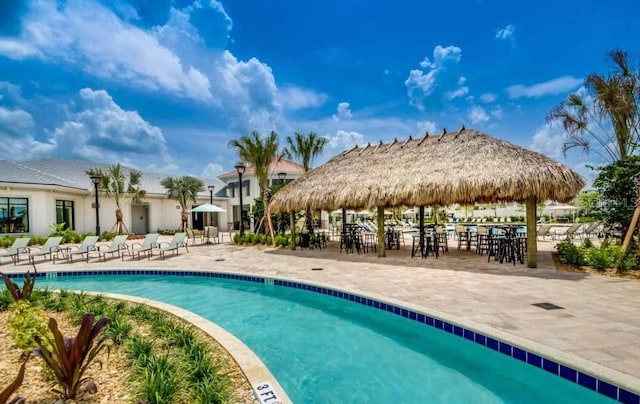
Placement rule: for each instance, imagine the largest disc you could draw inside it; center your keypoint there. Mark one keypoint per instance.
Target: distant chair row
(576, 230)
(118, 246)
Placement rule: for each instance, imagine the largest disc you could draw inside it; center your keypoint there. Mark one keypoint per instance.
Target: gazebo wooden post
(421, 226)
(292, 241)
(381, 240)
(344, 220)
(532, 241)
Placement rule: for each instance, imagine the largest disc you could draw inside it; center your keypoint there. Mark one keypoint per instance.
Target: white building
(36, 194)
(283, 171)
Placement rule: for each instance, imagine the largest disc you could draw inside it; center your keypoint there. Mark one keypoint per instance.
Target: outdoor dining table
(425, 244)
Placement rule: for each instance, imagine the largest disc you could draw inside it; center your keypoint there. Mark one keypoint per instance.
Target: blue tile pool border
(566, 372)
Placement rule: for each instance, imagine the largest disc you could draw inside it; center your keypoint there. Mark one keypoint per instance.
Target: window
(248, 185)
(14, 215)
(64, 214)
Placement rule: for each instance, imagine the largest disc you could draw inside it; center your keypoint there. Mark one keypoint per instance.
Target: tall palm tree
(259, 152)
(184, 190)
(607, 114)
(115, 185)
(305, 149)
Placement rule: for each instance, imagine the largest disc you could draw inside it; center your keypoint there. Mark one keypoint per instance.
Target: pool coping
(588, 374)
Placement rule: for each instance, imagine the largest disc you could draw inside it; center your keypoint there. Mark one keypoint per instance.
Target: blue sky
(164, 85)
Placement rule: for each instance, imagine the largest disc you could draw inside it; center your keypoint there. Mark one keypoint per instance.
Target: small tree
(114, 184)
(184, 190)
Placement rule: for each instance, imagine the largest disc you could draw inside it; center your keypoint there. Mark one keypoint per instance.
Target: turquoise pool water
(326, 350)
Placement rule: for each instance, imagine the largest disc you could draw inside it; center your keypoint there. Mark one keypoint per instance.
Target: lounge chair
(18, 247)
(575, 230)
(593, 229)
(52, 245)
(117, 246)
(178, 240)
(544, 231)
(88, 245)
(146, 247)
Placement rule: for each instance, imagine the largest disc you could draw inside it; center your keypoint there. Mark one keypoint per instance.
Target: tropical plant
(184, 190)
(13, 387)
(260, 153)
(25, 322)
(27, 287)
(305, 149)
(605, 111)
(69, 358)
(115, 185)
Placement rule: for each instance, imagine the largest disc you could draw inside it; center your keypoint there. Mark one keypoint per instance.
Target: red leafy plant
(70, 357)
(10, 389)
(15, 291)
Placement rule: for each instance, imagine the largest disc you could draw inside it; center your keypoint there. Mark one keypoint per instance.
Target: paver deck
(600, 321)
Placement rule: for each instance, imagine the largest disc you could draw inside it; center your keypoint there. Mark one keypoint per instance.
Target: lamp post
(240, 167)
(211, 188)
(282, 176)
(96, 179)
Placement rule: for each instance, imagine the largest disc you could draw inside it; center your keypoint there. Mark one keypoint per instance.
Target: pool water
(327, 350)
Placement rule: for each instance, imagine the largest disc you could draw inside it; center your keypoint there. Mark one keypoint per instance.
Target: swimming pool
(327, 350)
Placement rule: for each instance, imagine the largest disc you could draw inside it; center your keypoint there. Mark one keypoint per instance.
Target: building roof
(71, 174)
(462, 167)
(282, 166)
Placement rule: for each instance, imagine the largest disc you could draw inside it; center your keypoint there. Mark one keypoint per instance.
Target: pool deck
(600, 321)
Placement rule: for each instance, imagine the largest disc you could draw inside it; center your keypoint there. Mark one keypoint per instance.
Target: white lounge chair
(117, 246)
(18, 247)
(88, 245)
(51, 246)
(146, 247)
(178, 240)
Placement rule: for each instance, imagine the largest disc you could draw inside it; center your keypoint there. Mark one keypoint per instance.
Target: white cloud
(488, 97)
(92, 37)
(497, 111)
(212, 170)
(102, 131)
(477, 114)
(425, 126)
(549, 140)
(507, 33)
(294, 98)
(435, 74)
(16, 137)
(344, 140)
(343, 112)
(558, 85)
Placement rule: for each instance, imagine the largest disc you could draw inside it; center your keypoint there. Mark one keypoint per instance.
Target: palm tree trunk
(184, 225)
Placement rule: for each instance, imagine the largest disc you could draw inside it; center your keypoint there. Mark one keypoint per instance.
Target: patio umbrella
(207, 207)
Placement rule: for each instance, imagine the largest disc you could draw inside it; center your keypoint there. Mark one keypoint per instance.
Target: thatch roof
(466, 166)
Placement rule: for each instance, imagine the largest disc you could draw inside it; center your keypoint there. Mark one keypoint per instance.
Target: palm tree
(607, 114)
(184, 190)
(260, 153)
(305, 149)
(114, 184)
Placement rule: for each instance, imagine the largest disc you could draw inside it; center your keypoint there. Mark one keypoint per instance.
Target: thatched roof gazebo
(464, 167)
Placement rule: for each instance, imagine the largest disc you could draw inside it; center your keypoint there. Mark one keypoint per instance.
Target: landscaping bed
(151, 356)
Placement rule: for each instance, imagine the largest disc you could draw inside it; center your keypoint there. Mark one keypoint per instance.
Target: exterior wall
(162, 212)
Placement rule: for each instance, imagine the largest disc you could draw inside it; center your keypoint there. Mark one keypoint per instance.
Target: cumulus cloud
(439, 73)
(549, 140)
(555, 86)
(425, 126)
(16, 135)
(477, 114)
(344, 140)
(212, 170)
(90, 36)
(102, 131)
(488, 97)
(343, 112)
(506, 33)
(294, 98)
(497, 111)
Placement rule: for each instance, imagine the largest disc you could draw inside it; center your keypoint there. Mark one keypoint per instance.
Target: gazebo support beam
(421, 226)
(344, 221)
(532, 238)
(292, 223)
(381, 243)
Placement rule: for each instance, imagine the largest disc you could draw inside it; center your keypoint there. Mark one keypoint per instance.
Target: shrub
(37, 240)
(108, 235)
(587, 243)
(237, 239)
(69, 358)
(167, 232)
(569, 253)
(603, 257)
(249, 238)
(5, 299)
(26, 322)
(159, 384)
(6, 241)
